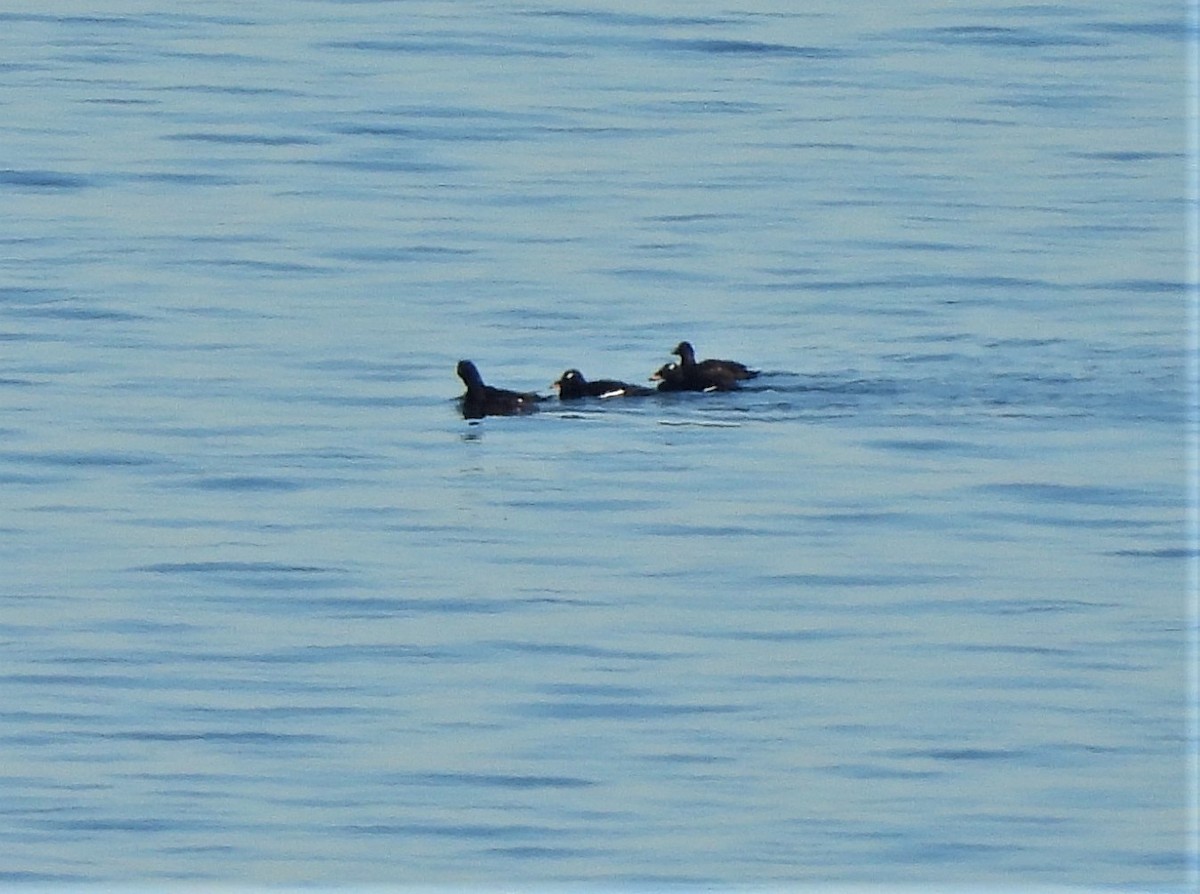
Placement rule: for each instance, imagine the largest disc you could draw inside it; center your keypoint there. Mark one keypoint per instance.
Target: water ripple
(720, 47)
(41, 179)
(237, 567)
(500, 780)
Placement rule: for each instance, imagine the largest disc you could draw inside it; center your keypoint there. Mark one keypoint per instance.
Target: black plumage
(729, 369)
(483, 400)
(707, 375)
(673, 377)
(573, 386)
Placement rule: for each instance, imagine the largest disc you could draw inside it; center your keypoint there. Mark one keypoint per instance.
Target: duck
(673, 377)
(725, 369)
(572, 385)
(483, 400)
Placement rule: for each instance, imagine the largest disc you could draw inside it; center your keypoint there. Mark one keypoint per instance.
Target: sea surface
(913, 608)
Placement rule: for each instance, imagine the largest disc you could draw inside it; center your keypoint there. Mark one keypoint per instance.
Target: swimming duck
(673, 377)
(572, 386)
(483, 400)
(730, 369)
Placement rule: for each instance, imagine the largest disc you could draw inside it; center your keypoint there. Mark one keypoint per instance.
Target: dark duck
(731, 368)
(483, 400)
(573, 386)
(707, 375)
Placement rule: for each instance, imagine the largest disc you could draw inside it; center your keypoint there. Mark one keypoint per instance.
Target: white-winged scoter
(483, 400)
(728, 368)
(573, 386)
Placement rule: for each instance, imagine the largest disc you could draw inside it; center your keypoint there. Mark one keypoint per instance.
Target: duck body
(723, 370)
(573, 386)
(483, 400)
(675, 377)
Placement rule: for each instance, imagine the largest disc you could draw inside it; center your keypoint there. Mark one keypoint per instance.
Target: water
(912, 609)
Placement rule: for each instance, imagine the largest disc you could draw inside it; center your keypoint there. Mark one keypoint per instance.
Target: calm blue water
(913, 609)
